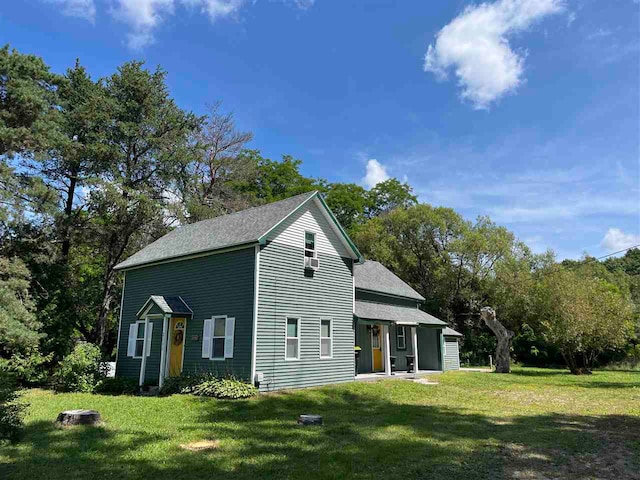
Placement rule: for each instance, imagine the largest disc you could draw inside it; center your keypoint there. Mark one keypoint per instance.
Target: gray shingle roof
(394, 313)
(171, 305)
(234, 229)
(375, 277)
(450, 332)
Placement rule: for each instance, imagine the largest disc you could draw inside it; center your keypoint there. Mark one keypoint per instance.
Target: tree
(348, 202)
(389, 195)
(582, 316)
(148, 141)
(275, 180)
(27, 102)
(19, 328)
(207, 190)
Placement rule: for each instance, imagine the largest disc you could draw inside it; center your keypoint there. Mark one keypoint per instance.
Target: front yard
(532, 424)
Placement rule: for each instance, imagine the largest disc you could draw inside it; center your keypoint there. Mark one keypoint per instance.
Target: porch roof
(394, 313)
(171, 305)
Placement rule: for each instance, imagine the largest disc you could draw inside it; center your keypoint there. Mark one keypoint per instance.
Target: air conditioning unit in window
(311, 263)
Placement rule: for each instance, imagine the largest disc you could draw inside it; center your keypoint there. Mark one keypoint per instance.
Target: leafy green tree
(582, 316)
(389, 195)
(28, 113)
(348, 202)
(275, 180)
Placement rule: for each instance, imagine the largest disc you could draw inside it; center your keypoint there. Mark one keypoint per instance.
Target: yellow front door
(376, 347)
(176, 345)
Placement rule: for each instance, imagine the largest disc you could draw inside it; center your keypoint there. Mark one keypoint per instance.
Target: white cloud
(616, 240)
(475, 46)
(145, 16)
(78, 8)
(376, 173)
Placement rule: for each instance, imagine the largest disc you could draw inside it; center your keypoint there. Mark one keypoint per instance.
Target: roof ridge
(226, 215)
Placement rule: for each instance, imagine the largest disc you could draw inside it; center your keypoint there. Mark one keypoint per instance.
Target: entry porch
(396, 340)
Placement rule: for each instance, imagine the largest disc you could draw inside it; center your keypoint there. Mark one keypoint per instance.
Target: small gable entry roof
(232, 230)
(168, 305)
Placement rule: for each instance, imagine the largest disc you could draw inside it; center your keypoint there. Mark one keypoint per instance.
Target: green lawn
(531, 424)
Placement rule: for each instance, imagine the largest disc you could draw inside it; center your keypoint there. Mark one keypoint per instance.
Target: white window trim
(403, 336)
(139, 357)
(213, 328)
(287, 337)
(330, 337)
(315, 246)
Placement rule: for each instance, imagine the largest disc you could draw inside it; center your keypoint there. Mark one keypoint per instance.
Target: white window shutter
(131, 344)
(150, 337)
(228, 337)
(206, 339)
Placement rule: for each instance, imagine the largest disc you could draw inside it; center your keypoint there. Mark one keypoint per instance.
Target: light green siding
(451, 354)
(287, 290)
(219, 284)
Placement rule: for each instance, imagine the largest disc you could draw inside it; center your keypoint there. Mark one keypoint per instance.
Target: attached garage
(451, 350)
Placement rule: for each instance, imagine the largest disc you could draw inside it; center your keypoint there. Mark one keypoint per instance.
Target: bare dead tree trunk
(504, 337)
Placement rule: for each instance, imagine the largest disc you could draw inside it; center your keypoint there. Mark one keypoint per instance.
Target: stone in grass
(78, 417)
(309, 419)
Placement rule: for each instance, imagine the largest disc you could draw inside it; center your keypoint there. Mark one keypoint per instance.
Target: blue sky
(524, 110)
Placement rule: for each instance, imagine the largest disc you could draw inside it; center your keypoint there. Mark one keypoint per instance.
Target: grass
(533, 424)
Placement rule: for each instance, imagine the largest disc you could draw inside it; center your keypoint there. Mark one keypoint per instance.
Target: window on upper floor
(309, 244)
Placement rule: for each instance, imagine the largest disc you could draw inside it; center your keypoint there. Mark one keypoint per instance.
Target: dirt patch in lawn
(614, 455)
(201, 446)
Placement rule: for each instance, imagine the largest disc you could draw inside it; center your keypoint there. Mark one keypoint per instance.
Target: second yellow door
(376, 348)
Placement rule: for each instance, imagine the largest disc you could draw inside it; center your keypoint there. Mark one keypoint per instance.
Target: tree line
(92, 170)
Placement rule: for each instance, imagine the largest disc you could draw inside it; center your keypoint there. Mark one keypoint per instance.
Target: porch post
(163, 350)
(387, 349)
(414, 344)
(145, 342)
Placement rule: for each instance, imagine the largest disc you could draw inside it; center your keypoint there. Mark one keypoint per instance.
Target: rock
(78, 417)
(310, 419)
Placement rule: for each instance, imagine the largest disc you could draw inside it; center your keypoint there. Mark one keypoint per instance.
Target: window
(135, 346)
(310, 244)
(401, 338)
(326, 343)
(139, 340)
(217, 340)
(217, 337)
(293, 339)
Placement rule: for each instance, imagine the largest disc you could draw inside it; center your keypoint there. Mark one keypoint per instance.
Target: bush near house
(81, 370)
(117, 386)
(228, 388)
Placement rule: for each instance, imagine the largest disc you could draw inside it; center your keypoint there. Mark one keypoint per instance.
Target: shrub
(11, 410)
(184, 383)
(81, 370)
(117, 386)
(228, 388)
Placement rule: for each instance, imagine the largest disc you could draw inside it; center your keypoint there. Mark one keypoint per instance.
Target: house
(277, 295)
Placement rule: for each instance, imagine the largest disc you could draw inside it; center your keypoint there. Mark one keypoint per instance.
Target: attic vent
(311, 263)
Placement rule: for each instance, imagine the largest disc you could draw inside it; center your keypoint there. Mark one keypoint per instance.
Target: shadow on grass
(363, 437)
